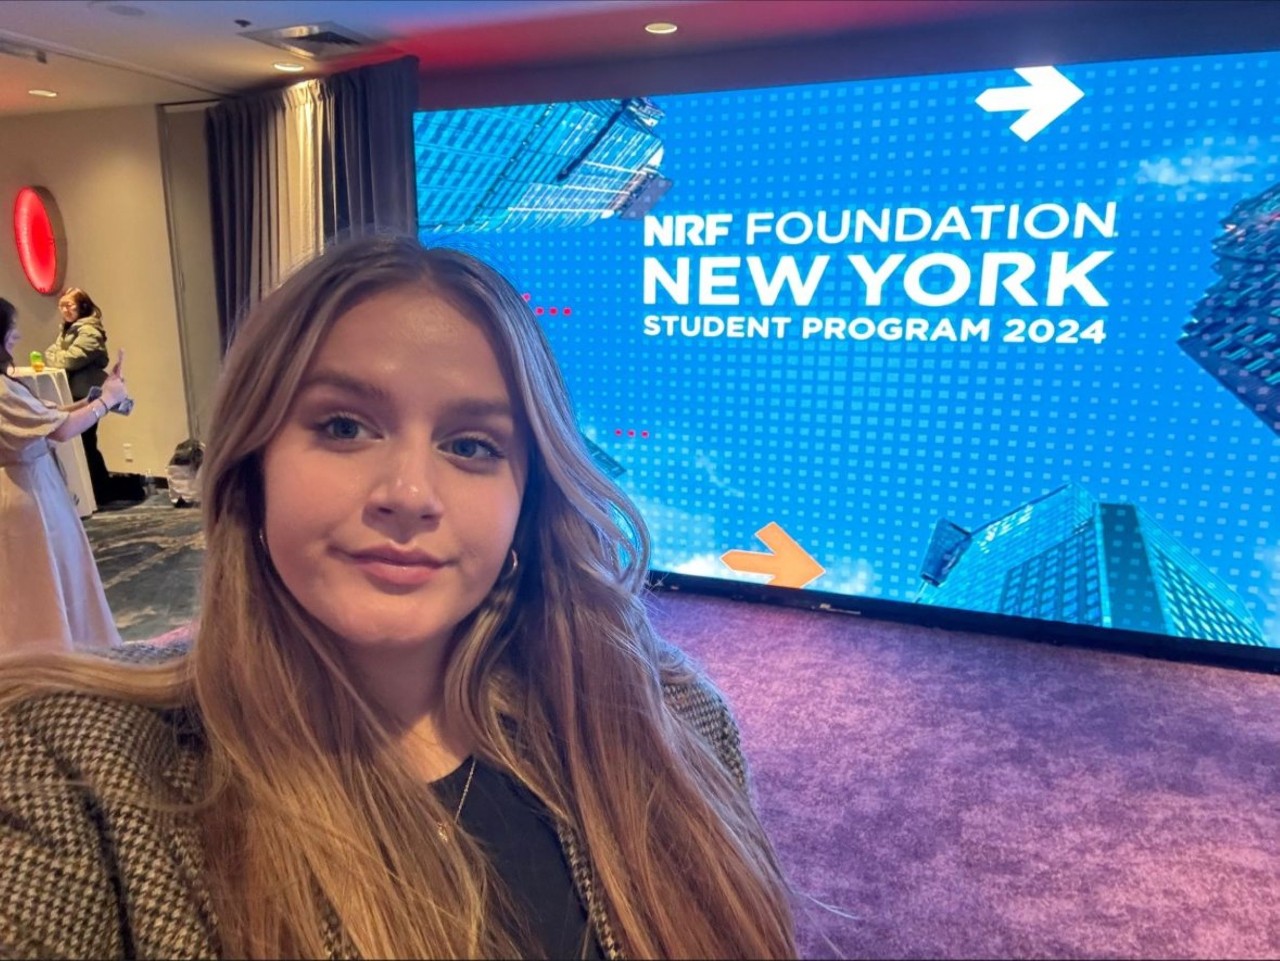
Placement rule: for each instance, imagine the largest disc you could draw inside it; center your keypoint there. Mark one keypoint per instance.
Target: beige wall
(104, 170)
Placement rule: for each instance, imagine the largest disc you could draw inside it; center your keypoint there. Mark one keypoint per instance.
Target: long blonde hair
(313, 823)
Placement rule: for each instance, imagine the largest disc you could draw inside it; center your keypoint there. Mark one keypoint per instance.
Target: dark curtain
(358, 128)
(366, 157)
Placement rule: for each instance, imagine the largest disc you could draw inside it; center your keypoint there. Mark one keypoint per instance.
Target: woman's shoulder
(685, 686)
(101, 737)
(11, 387)
(90, 324)
(24, 416)
(92, 861)
(692, 697)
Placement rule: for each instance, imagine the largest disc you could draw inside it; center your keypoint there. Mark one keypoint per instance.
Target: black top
(518, 833)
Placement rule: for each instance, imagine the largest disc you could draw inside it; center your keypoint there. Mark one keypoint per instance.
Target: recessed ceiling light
(661, 27)
(43, 93)
(288, 67)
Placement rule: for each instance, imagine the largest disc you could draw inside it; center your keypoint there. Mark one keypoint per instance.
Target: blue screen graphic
(1002, 341)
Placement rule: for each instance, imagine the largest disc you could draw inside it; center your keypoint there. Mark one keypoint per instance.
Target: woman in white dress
(50, 591)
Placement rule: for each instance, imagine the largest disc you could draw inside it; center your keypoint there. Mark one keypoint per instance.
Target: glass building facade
(1066, 557)
(1235, 330)
(537, 166)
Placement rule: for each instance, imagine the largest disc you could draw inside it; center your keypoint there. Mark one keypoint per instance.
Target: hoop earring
(262, 539)
(510, 574)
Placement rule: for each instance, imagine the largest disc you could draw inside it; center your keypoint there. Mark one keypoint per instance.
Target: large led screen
(1001, 342)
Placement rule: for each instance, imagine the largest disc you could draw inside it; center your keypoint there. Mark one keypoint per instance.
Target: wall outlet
(128, 453)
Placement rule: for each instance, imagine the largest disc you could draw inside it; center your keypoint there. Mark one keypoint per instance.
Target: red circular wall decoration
(37, 233)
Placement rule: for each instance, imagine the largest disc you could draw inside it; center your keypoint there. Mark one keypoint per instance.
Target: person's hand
(114, 391)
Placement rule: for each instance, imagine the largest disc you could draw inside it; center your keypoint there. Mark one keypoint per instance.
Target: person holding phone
(50, 592)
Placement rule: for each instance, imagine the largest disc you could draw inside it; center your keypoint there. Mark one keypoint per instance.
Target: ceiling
(108, 53)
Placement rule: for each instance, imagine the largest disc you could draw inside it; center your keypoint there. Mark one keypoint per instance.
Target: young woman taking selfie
(423, 713)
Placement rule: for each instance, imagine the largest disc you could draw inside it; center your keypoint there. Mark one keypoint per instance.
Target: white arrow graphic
(1046, 98)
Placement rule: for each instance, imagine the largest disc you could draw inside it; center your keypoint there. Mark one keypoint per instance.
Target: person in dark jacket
(81, 350)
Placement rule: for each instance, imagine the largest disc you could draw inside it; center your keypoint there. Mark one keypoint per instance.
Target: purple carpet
(965, 796)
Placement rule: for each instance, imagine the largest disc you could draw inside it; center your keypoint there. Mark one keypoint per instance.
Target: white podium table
(51, 384)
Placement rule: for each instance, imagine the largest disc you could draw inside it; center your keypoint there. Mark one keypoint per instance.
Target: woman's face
(69, 309)
(11, 338)
(394, 486)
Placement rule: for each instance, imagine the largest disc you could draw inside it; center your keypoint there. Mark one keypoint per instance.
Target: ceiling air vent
(313, 41)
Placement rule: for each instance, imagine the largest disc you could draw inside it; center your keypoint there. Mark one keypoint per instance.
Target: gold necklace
(441, 828)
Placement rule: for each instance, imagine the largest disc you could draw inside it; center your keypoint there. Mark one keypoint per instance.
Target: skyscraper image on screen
(1068, 557)
(1235, 333)
(539, 166)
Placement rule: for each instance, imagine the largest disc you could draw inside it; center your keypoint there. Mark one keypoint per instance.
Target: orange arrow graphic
(788, 564)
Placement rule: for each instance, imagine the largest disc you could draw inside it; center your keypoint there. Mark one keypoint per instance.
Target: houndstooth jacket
(84, 873)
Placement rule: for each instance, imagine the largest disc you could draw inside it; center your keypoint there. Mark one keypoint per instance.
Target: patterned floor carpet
(149, 556)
